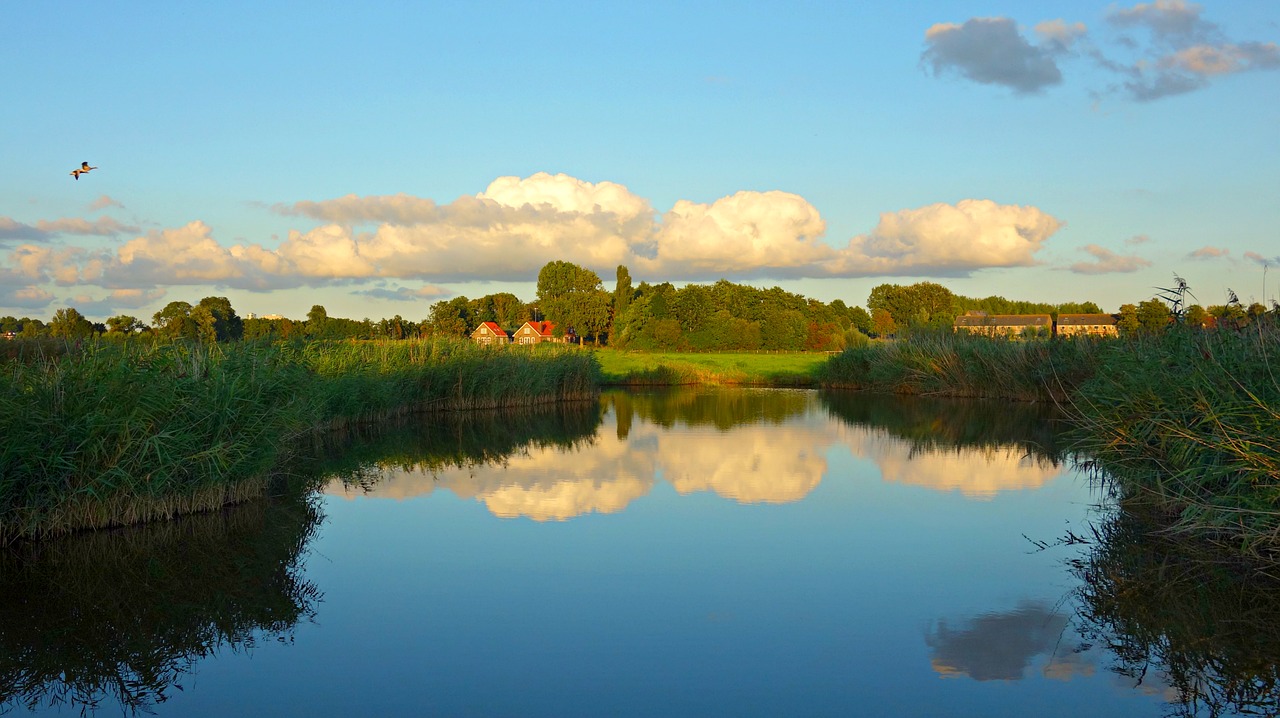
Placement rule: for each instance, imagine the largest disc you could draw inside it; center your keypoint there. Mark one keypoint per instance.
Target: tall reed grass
(1190, 422)
(109, 433)
(946, 364)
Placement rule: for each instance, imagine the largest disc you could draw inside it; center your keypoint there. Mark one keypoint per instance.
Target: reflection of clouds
(750, 463)
(753, 464)
(544, 484)
(996, 646)
(976, 473)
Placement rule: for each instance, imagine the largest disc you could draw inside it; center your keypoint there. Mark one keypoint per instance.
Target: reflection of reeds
(108, 433)
(359, 454)
(120, 616)
(930, 424)
(1203, 621)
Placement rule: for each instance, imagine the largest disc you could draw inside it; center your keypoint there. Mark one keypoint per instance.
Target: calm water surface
(729, 552)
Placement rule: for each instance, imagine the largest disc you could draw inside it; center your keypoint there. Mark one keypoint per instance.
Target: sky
(379, 157)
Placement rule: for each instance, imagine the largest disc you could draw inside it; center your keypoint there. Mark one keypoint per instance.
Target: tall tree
(124, 324)
(1154, 316)
(569, 296)
(227, 325)
(174, 321)
(621, 301)
(452, 317)
(69, 323)
(206, 324)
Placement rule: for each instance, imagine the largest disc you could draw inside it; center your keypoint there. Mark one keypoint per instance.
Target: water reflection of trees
(121, 616)
(929, 424)
(712, 407)
(1170, 613)
(360, 456)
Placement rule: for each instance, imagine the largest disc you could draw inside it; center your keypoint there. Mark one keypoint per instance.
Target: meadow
(640, 368)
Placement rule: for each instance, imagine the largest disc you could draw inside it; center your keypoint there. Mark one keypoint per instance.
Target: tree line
(697, 317)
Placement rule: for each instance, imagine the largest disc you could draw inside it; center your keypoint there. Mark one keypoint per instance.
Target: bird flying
(84, 167)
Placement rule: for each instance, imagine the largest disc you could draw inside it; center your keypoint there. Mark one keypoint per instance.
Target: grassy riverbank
(110, 433)
(634, 368)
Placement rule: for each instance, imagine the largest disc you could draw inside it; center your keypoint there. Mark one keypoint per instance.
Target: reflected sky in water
(788, 560)
(751, 462)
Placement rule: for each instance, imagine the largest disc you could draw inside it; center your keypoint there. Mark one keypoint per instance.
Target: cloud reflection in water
(774, 461)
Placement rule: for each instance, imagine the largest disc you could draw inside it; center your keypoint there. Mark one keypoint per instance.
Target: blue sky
(377, 158)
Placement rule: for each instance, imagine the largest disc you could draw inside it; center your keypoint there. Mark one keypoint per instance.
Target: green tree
(1127, 324)
(1153, 316)
(69, 323)
(318, 322)
(124, 325)
(174, 321)
(621, 302)
(206, 324)
(920, 304)
(1196, 317)
(227, 325)
(452, 317)
(570, 297)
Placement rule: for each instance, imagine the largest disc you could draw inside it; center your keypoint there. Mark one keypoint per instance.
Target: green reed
(107, 433)
(946, 364)
(1190, 422)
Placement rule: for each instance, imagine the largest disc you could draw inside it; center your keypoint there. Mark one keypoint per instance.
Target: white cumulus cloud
(514, 227)
(945, 239)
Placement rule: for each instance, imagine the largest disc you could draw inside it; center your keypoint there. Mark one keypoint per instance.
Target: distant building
(251, 315)
(1006, 325)
(9, 335)
(490, 333)
(1101, 325)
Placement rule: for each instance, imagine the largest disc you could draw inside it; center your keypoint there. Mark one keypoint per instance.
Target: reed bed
(946, 364)
(1189, 422)
(109, 433)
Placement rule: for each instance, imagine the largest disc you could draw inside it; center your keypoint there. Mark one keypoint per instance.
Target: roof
(543, 328)
(1005, 320)
(493, 327)
(1072, 320)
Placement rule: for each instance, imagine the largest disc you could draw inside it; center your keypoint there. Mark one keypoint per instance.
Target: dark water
(735, 552)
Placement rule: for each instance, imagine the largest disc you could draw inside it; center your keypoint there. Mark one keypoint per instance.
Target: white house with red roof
(490, 333)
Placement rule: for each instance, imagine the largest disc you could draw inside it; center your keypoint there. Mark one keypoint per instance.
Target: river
(736, 552)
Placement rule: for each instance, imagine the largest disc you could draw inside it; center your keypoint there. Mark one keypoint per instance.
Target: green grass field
(664, 368)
